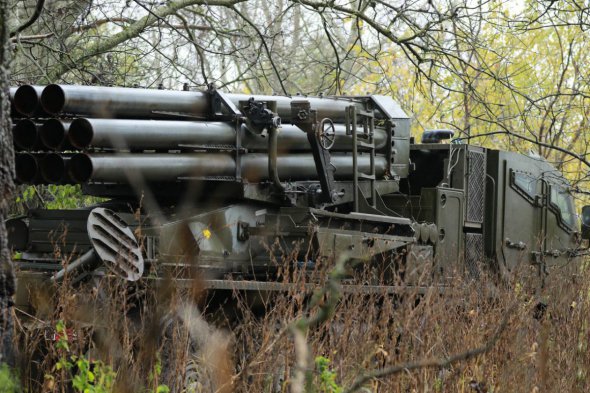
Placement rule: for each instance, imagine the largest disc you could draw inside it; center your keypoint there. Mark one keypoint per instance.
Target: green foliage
(27, 195)
(163, 389)
(327, 376)
(54, 196)
(82, 374)
(155, 374)
(64, 197)
(438, 385)
(92, 376)
(87, 376)
(8, 381)
(62, 342)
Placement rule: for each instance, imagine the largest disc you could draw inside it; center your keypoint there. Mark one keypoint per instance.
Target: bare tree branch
(439, 363)
(265, 45)
(131, 31)
(32, 19)
(533, 141)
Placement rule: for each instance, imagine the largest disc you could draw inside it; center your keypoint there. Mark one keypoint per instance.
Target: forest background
(513, 69)
(504, 74)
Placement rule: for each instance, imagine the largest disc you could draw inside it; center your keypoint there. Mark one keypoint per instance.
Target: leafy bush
(327, 376)
(87, 376)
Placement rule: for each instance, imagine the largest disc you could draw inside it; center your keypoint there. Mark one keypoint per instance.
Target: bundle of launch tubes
(67, 134)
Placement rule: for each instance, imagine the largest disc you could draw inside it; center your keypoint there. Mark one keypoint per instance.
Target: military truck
(244, 186)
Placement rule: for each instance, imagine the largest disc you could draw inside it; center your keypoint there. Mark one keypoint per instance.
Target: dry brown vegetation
(250, 344)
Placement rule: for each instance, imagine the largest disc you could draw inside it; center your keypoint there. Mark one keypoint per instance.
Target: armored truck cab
(531, 216)
(490, 207)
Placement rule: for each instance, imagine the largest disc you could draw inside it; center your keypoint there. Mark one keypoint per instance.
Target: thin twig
(536, 142)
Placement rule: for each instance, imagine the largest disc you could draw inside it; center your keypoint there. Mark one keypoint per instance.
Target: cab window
(525, 183)
(563, 203)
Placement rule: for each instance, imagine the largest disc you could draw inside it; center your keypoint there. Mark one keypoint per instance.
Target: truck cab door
(522, 216)
(560, 222)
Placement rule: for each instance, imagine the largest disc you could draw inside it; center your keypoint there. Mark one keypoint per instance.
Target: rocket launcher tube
(54, 134)
(26, 135)
(53, 168)
(148, 134)
(150, 167)
(174, 134)
(27, 100)
(26, 168)
(108, 102)
(124, 102)
(158, 167)
(302, 166)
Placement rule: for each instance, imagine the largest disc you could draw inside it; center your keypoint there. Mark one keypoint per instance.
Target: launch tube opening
(80, 168)
(81, 133)
(25, 167)
(52, 133)
(52, 168)
(26, 100)
(53, 99)
(25, 134)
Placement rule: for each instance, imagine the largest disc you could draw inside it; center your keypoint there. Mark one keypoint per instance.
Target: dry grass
(547, 353)
(235, 346)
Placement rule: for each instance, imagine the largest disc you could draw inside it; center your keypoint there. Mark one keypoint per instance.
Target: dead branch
(434, 362)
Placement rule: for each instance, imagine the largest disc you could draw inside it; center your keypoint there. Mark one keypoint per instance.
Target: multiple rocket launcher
(329, 179)
(68, 134)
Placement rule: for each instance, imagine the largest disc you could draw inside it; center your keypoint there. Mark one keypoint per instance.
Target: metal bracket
(389, 151)
(306, 119)
(218, 101)
(515, 245)
(261, 116)
(221, 107)
(243, 231)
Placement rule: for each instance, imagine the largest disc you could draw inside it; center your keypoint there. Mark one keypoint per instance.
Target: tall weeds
(163, 335)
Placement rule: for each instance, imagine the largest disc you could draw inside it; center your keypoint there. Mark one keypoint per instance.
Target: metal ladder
(365, 139)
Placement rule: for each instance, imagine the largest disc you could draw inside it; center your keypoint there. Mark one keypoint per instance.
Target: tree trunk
(7, 282)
